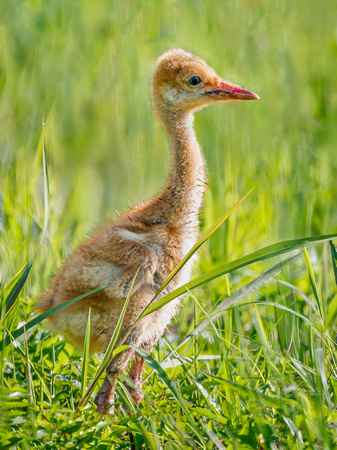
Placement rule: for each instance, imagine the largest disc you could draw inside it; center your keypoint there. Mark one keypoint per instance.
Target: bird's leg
(135, 374)
(105, 399)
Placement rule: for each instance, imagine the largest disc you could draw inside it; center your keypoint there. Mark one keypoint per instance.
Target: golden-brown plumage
(152, 237)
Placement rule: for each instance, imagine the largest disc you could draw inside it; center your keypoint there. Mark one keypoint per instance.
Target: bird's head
(183, 82)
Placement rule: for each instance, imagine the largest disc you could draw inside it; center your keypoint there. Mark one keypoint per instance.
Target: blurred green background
(87, 66)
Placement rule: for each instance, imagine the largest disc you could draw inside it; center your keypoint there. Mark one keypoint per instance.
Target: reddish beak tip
(231, 91)
(243, 94)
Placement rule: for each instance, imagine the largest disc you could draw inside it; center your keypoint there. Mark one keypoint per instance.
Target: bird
(143, 245)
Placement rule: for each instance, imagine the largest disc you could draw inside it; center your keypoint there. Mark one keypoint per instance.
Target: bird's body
(113, 256)
(152, 237)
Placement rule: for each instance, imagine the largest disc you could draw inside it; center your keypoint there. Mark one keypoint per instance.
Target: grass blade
(84, 373)
(293, 312)
(45, 190)
(213, 438)
(332, 313)
(46, 186)
(313, 281)
(109, 351)
(212, 403)
(29, 378)
(265, 253)
(300, 293)
(148, 437)
(334, 259)
(15, 291)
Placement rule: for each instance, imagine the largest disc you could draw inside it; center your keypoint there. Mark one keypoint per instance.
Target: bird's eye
(194, 81)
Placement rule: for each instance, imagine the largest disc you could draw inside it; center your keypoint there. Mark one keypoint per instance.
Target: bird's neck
(185, 188)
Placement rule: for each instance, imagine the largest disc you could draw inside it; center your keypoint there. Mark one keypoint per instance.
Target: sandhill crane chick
(152, 237)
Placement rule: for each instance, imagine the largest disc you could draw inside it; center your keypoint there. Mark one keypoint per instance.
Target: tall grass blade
(196, 247)
(313, 281)
(29, 377)
(334, 259)
(206, 314)
(155, 434)
(109, 351)
(212, 403)
(314, 328)
(332, 313)
(214, 438)
(300, 293)
(265, 253)
(86, 350)
(127, 397)
(45, 190)
(148, 437)
(15, 291)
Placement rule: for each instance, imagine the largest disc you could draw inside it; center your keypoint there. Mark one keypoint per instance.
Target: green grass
(262, 374)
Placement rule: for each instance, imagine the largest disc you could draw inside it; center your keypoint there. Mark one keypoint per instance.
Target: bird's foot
(105, 399)
(137, 396)
(136, 393)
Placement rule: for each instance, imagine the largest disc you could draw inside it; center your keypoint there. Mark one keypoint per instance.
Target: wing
(111, 257)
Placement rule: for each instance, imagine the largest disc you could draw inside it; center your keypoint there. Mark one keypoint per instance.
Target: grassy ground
(263, 375)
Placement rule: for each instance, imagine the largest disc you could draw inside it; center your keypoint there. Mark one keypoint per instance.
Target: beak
(229, 91)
